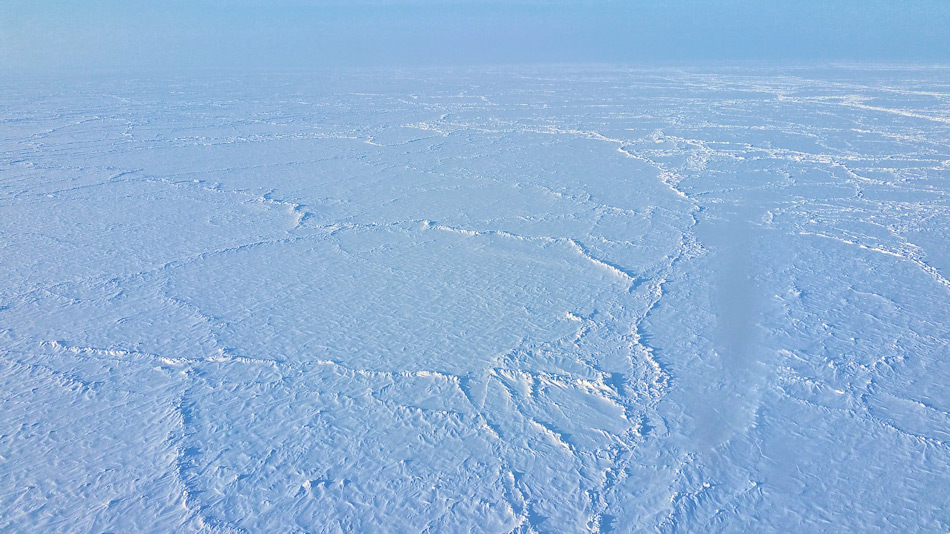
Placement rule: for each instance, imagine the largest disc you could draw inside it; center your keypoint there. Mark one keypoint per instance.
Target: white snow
(582, 299)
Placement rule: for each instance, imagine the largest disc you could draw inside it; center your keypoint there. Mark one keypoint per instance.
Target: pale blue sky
(43, 35)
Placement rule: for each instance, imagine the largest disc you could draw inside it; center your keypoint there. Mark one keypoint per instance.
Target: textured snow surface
(529, 300)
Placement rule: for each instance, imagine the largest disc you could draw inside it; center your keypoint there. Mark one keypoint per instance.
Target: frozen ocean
(522, 299)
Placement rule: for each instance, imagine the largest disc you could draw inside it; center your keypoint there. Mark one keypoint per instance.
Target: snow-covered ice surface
(494, 300)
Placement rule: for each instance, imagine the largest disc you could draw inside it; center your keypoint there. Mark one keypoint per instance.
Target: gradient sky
(46, 35)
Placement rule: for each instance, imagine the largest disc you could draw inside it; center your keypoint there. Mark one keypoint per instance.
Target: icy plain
(487, 300)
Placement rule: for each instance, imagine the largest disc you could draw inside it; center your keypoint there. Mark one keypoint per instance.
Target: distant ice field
(561, 299)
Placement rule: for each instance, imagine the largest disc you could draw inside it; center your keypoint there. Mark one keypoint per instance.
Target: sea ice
(493, 300)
